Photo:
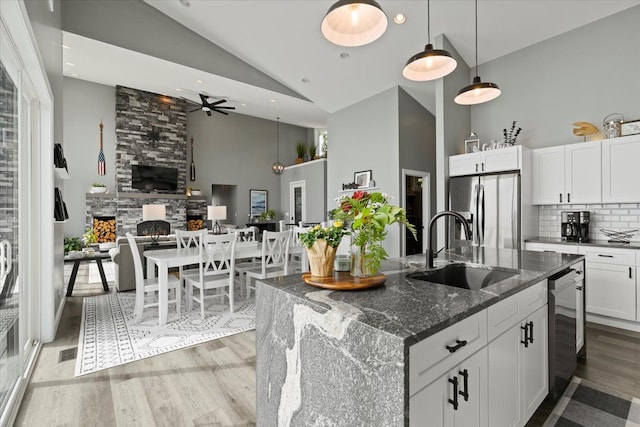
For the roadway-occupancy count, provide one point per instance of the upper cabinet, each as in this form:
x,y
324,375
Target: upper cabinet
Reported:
x,y
567,174
621,169
503,159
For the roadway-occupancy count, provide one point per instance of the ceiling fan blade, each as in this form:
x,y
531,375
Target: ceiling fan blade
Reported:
x,y
222,101
203,98
219,111
196,109
225,108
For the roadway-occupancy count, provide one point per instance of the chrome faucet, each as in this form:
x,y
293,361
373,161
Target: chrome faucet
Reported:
x,y
456,215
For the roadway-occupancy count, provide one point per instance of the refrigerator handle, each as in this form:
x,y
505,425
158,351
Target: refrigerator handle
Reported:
x,y
515,211
481,216
474,216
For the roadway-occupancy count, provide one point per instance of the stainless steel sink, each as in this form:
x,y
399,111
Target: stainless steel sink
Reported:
x,y
464,276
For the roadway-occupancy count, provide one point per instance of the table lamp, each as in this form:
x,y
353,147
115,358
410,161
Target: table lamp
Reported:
x,y
154,213
216,213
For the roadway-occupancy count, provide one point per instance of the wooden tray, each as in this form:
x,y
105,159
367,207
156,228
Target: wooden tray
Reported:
x,y
343,281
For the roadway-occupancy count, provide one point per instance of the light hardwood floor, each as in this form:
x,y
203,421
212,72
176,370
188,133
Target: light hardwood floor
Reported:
x,y
213,383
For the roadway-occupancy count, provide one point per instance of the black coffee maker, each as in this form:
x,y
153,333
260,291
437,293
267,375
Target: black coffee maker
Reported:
x,y
575,226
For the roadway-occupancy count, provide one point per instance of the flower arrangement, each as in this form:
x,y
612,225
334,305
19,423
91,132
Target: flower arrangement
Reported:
x,y
89,237
369,214
321,244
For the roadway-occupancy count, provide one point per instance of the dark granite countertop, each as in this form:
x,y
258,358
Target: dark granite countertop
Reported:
x,y
599,243
412,310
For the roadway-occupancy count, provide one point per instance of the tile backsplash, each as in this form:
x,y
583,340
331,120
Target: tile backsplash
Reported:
x,y
618,217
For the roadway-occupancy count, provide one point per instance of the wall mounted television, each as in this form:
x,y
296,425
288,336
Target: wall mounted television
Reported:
x,y
154,178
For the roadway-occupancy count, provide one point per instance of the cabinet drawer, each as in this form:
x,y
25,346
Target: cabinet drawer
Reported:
x,y
430,358
506,313
550,247
610,256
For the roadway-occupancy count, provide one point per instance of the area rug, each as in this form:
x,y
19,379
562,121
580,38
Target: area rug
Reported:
x,y
109,336
585,404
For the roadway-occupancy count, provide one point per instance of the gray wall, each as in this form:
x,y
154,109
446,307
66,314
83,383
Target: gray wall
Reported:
x,y
417,141
314,175
452,126
365,136
582,75
239,150
85,104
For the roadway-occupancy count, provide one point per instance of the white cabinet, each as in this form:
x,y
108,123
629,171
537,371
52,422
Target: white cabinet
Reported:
x,y
457,398
503,159
550,247
567,174
611,282
517,357
620,171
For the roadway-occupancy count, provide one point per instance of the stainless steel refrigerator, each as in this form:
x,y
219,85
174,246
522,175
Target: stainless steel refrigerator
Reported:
x,y
491,205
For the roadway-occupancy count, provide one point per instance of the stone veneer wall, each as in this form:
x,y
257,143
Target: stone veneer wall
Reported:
x,y
137,113
618,217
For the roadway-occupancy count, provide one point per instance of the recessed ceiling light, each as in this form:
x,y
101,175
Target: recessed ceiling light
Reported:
x,y
199,81
70,64
399,18
178,90
74,75
185,3
65,46
244,105
273,100
345,55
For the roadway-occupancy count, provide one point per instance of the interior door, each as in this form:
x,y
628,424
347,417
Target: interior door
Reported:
x,y
297,202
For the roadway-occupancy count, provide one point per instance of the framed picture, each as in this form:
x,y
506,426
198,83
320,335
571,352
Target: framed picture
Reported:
x,y
362,178
630,128
471,145
258,202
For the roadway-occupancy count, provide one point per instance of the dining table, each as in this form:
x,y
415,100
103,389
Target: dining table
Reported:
x,y
165,259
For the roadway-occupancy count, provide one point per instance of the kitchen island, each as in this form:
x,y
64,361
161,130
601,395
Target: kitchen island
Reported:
x,y
343,358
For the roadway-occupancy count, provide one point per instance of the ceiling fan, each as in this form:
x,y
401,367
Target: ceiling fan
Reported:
x,y
208,107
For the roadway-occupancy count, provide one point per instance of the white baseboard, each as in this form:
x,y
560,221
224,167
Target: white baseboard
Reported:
x,y
616,323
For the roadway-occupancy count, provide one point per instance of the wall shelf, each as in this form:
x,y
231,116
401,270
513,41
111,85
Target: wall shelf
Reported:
x,y
61,173
353,190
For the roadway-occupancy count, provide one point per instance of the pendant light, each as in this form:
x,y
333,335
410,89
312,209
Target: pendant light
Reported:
x,y
354,22
430,64
478,91
277,168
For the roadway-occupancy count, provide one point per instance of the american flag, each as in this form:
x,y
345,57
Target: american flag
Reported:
x,y
102,164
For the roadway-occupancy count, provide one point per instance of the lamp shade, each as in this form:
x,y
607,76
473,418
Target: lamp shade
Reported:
x,y
429,64
216,212
477,92
153,212
354,22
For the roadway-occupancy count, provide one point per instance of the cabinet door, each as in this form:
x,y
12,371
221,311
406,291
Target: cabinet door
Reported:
x,y
430,406
548,176
535,378
583,172
464,164
611,290
472,412
579,315
504,159
620,171
505,399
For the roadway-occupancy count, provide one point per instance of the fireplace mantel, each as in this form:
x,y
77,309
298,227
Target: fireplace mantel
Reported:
x,y
131,195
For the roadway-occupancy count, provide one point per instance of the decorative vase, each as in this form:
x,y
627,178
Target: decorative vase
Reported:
x,y
359,265
321,257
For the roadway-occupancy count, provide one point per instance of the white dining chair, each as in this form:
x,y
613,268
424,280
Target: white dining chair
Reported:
x,y
299,261
216,271
274,260
243,235
149,285
189,239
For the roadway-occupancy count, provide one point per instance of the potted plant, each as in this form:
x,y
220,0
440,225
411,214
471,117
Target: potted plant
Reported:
x,y
98,188
89,238
369,214
321,244
267,215
72,245
301,150
312,152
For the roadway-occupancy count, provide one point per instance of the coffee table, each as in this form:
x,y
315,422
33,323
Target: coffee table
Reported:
x,y
98,257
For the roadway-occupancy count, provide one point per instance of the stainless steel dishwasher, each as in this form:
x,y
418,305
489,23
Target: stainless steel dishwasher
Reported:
x,y
562,328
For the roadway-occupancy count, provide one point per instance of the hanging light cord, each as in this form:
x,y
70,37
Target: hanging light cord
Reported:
x,y
428,22
477,74
278,138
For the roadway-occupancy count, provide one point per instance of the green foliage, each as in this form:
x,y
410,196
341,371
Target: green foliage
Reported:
x,y
301,149
312,152
95,184
89,237
72,244
268,215
369,214
333,235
